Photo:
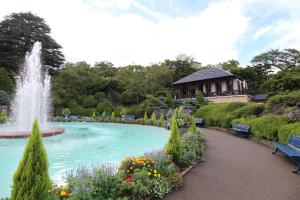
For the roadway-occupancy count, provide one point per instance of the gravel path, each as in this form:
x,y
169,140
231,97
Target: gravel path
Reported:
x,y
239,169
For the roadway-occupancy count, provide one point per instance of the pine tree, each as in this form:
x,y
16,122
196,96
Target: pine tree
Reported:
x,y
146,120
174,147
161,120
153,118
31,180
103,116
94,116
193,127
112,117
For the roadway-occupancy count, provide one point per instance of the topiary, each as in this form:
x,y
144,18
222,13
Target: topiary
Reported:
x,y
103,116
112,117
153,118
161,120
193,127
174,147
31,180
146,120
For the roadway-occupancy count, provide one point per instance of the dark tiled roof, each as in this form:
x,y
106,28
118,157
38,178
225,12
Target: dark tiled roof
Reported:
x,y
204,74
258,97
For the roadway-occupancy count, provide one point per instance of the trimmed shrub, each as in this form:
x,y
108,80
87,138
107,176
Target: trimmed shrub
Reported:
x,y
161,120
31,180
153,118
248,110
106,106
286,132
265,127
112,117
146,120
103,117
174,147
193,128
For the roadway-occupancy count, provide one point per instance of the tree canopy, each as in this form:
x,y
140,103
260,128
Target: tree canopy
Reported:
x,y
18,32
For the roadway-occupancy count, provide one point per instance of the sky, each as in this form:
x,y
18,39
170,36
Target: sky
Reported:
x,y
150,31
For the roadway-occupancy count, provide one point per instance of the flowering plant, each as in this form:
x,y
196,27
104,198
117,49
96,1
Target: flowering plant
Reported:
x,y
129,165
62,191
184,119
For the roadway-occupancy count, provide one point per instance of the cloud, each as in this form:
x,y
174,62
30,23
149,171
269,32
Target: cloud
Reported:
x,y
211,35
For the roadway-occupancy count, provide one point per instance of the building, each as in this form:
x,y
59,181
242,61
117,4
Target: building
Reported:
x,y
216,84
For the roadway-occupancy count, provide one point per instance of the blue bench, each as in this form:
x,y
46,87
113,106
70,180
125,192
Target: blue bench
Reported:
x,y
199,122
241,130
292,150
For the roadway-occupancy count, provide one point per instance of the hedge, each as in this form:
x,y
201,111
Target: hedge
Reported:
x,y
286,131
265,127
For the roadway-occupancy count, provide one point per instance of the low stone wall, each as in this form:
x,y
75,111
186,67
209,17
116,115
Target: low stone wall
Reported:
x,y
229,99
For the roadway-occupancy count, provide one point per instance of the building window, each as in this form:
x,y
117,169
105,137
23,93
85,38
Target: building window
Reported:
x,y
193,92
208,87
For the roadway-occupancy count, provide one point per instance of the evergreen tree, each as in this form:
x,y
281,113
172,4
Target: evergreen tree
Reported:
x,y
146,120
94,116
103,116
153,118
112,117
161,120
174,147
193,127
31,180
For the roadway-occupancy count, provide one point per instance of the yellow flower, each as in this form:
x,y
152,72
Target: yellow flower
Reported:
x,y
155,175
149,173
158,175
144,164
127,170
155,171
63,193
131,168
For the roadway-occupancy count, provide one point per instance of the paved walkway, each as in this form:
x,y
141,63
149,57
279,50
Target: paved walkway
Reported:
x,y
239,169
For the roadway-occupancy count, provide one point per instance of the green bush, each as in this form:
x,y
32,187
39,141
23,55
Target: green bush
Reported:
x,y
286,131
105,106
103,117
4,98
31,180
248,110
193,128
288,99
265,127
89,101
174,147
2,117
146,119
153,118
112,117
161,120
66,111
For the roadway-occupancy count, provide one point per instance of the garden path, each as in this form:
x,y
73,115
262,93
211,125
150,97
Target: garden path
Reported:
x,y
239,169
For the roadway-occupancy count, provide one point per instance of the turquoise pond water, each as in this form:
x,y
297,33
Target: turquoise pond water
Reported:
x,y
83,144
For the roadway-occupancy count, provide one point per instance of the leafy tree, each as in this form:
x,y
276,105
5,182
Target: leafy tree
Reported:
x,y
183,66
66,111
174,147
161,120
103,116
170,101
229,65
89,101
153,118
200,98
4,98
276,59
107,68
193,128
31,180
6,81
18,32
146,119
100,96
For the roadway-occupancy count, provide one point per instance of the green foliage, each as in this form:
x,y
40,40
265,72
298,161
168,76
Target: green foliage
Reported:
x,y
170,101
248,110
78,110
146,119
200,98
6,81
18,32
288,99
153,118
105,106
89,101
103,117
123,112
286,132
161,120
264,127
219,114
31,179
112,117
100,96
66,111
2,117
160,187
174,147
193,127
4,98
193,147
94,116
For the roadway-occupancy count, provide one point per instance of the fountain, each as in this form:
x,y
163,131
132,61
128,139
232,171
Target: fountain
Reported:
x,y
32,98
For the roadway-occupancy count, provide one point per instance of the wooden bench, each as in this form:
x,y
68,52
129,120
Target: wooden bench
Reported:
x,y
292,150
241,130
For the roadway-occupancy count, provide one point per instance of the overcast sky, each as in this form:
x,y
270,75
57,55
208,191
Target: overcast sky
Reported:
x,y
148,31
